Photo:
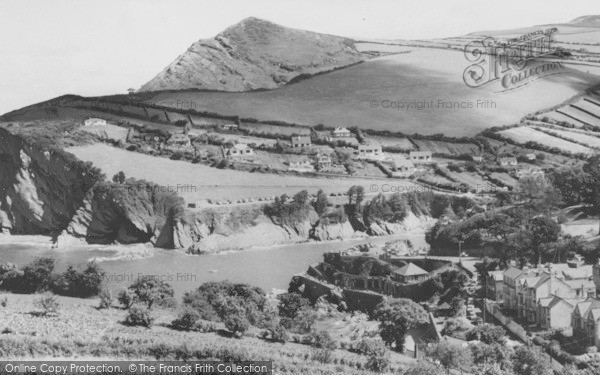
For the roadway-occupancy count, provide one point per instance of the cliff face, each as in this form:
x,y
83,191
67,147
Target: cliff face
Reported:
x,y
40,190
132,212
47,191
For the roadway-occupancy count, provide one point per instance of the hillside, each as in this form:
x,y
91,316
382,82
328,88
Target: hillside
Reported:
x,y
418,78
254,54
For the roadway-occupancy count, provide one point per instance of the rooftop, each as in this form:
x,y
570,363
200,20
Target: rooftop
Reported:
x,y
411,270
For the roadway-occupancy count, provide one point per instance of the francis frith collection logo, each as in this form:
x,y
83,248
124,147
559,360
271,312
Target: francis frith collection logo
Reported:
x,y
514,62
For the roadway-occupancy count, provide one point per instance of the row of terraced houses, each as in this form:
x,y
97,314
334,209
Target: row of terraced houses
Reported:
x,y
551,296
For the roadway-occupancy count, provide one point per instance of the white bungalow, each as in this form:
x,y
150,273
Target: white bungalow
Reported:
x,y
240,150
300,164
341,132
94,121
404,167
507,161
370,151
420,157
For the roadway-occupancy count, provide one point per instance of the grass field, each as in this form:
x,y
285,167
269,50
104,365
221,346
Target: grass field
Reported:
x,y
588,140
344,97
524,134
446,147
199,182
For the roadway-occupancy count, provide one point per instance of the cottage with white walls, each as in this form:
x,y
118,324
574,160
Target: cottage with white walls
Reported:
x,y
340,132
239,150
420,157
370,151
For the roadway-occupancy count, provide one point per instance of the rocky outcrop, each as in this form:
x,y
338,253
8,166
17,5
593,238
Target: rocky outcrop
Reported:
x,y
131,212
339,231
40,187
45,190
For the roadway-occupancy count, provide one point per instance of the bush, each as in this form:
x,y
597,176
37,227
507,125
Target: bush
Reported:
x,y
290,304
139,316
126,298
322,339
487,333
4,302
106,299
48,303
38,276
186,320
151,290
80,284
236,323
322,355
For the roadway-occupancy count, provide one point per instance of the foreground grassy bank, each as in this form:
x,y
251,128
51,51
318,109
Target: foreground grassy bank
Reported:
x,y
80,330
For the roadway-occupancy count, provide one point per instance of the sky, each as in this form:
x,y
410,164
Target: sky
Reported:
x,y
52,48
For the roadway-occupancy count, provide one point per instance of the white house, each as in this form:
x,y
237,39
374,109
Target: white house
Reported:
x,y
477,158
531,156
300,164
370,151
94,121
341,132
323,160
239,150
507,161
301,141
420,157
179,140
404,167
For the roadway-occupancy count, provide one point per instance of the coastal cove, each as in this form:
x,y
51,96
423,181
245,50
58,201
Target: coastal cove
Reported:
x,y
268,267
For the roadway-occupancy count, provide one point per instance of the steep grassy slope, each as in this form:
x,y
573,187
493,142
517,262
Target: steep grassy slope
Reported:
x,y
254,54
425,76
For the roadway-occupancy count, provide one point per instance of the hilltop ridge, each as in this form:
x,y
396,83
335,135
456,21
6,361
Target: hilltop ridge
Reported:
x,y
254,54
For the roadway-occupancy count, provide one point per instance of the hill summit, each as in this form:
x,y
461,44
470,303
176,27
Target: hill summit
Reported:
x,y
587,21
254,54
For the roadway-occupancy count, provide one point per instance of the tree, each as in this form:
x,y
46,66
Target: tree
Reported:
x,y
351,193
321,202
488,333
541,230
378,357
574,185
450,356
139,316
531,361
301,198
495,353
119,178
290,304
38,275
396,317
538,193
150,290
81,284
232,312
